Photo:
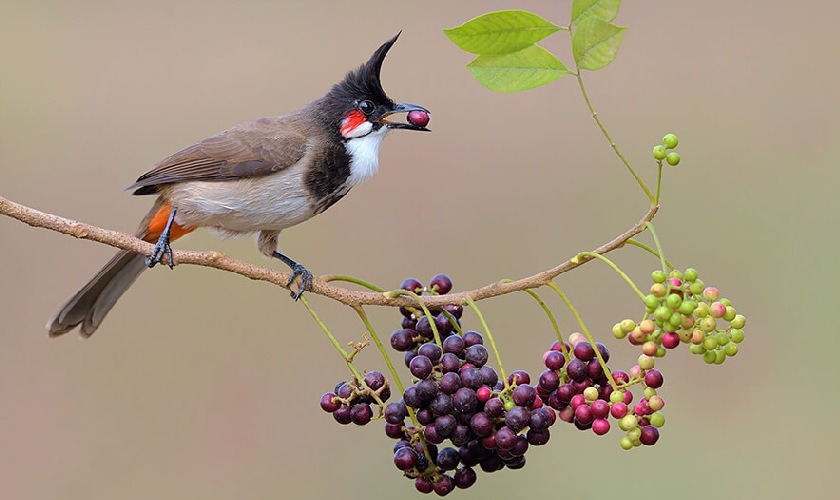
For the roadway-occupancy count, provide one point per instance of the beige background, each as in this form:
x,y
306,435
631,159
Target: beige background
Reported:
x,y
205,385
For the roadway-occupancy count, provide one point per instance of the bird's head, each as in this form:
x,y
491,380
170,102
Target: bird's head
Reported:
x,y
358,106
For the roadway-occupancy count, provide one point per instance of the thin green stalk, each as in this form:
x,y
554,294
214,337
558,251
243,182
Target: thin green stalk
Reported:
x,y
658,181
352,279
545,308
486,328
585,333
658,246
344,354
616,269
426,312
394,375
650,250
653,200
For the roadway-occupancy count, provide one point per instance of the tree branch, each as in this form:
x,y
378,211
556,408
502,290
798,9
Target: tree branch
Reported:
x,y
321,285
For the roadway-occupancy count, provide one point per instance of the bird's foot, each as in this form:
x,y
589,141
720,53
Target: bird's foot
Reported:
x,y
162,248
305,280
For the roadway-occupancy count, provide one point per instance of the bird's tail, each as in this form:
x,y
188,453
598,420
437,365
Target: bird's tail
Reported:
x,y
88,307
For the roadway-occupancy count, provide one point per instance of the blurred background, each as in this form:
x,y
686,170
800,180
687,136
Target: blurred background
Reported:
x,y
202,384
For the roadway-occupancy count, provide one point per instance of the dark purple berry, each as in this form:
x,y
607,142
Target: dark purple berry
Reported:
x,y
412,285
361,414
538,438
492,464
431,434
517,418
394,431
481,424
505,438
448,458
576,369
583,414
420,366
549,380
405,458
653,378
444,326
327,403
450,382
449,362
408,323
471,377
342,415
403,340
461,435
554,360
600,408
455,310
465,400
410,397
424,328
409,355
541,419
594,370
472,338
431,351
477,355
602,349
374,380
524,395
515,463
494,408
395,413
426,391
441,405
445,425
650,435
584,351
444,485
520,447
454,344
464,477
423,485
517,377
565,393
489,376
425,416
440,282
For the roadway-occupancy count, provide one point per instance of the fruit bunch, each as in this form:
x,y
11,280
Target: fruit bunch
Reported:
x,y
680,308
351,400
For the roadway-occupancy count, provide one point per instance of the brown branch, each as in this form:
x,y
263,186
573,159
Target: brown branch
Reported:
x,y
321,285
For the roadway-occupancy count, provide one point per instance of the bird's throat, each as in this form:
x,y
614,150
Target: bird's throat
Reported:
x,y
364,155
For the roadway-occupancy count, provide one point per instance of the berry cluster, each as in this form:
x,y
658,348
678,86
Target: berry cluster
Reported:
x,y
660,151
581,391
680,308
459,400
350,401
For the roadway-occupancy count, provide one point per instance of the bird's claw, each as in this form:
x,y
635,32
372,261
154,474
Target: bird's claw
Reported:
x,y
162,248
305,280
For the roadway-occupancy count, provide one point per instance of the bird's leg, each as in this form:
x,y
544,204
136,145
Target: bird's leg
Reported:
x,y
162,246
297,270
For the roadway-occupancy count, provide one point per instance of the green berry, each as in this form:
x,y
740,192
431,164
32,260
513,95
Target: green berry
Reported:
x,y
658,290
673,158
691,274
710,343
708,324
651,301
670,141
722,338
659,152
660,352
509,404
697,286
634,434
697,349
646,362
627,325
720,357
730,349
673,301
662,314
709,357
736,335
649,392
590,394
626,443
730,313
618,332
627,422
658,276
726,302
676,320
739,321
657,419
616,396
687,307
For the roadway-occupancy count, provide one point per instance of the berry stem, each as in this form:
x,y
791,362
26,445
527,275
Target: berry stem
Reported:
x,y
344,354
653,200
585,333
551,318
394,375
352,279
658,248
658,181
413,296
650,250
486,328
616,269
453,321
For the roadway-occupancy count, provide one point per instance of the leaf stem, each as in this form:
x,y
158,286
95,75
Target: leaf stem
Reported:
x,y
353,279
486,328
617,270
394,375
648,249
551,318
344,354
658,181
658,247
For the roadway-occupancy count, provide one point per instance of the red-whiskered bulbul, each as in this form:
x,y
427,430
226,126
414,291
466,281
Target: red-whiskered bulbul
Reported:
x,y
256,177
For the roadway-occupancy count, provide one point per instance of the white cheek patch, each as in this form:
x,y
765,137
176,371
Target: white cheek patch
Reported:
x,y
359,130
364,154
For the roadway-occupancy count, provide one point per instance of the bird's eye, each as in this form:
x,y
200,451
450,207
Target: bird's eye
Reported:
x,y
366,107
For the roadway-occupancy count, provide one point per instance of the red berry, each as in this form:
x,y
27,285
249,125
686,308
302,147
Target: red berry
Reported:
x,y
418,118
483,394
670,340
600,426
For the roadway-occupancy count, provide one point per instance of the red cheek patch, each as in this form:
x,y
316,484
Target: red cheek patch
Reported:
x,y
353,120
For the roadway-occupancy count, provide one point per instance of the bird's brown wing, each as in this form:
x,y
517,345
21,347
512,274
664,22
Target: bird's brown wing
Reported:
x,y
250,149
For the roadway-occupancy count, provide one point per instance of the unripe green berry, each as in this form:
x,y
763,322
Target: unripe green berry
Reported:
x,y
722,338
736,335
673,301
720,357
711,294
670,141
634,434
739,321
726,302
697,286
646,362
626,443
676,320
708,324
658,290
697,349
730,349
710,343
662,314
657,419
618,332
709,357
660,352
691,274
730,313
590,394
673,158
687,333
509,404
649,392
627,422
687,307
659,152
627,325
702,310
616,397
658,276
651,302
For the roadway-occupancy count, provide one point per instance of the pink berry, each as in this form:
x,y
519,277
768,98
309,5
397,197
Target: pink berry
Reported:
x,y
418,118
618,410
600,426
483,394
670,340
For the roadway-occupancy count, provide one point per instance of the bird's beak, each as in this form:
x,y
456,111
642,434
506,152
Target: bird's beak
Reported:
x,y
402,107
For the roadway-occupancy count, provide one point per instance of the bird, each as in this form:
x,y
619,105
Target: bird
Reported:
x,y
260,177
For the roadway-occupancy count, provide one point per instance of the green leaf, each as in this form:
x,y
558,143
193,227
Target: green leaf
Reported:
x,y
606,10
501,32
528,68
595,43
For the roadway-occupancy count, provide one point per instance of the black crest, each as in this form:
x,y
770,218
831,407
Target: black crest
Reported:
x,y
361,83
